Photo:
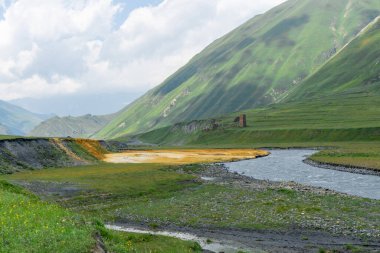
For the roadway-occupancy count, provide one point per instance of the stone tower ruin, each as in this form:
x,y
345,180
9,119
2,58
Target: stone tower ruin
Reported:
x,y
243,120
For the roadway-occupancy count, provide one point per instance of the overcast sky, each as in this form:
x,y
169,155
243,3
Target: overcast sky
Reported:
x,y
71,51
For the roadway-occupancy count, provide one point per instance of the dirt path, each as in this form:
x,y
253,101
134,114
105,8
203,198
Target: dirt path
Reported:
x,y
184,156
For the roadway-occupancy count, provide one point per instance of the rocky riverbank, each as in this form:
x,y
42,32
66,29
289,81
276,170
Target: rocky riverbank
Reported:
x,y
293,239
345,168
219,174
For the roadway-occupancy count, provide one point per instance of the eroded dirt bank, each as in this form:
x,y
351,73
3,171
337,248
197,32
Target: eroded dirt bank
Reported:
x,y
37,153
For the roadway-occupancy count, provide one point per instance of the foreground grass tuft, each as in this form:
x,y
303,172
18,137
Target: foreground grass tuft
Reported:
x,y
30,225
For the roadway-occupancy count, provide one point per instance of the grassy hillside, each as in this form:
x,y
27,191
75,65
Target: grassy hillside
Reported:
x,y
354,70
83,126
255,65
16,120
350,118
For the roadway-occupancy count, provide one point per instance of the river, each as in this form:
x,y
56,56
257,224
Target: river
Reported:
x,y
288,165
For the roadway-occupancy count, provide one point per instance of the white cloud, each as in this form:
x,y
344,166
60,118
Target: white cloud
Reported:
x,y
71,46
11,68
39,87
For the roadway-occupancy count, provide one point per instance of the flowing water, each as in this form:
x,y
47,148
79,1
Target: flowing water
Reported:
x,y
288,165
214,246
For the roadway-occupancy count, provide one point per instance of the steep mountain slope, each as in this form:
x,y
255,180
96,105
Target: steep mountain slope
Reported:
x,y
16,120
255,65
340,102
354,70
83,126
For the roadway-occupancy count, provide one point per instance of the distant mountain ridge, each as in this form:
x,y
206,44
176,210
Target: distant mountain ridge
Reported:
x,y
15,120
255,65
83,126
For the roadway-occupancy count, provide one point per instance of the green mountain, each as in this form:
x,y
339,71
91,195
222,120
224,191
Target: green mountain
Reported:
x,y
83,126
340,102
255,65
354,70
16,120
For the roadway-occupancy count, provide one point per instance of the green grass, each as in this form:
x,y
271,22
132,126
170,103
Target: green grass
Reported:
x,y
354,69
365,155
30,225
109,186
157,194
225,207
128,179
9,137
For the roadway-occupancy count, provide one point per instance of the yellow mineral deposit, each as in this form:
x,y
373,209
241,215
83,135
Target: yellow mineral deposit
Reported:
x,y
184,156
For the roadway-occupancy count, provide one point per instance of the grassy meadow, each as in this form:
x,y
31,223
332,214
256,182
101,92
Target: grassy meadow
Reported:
x,y
28,224
8,137
278,209
365,155
157,194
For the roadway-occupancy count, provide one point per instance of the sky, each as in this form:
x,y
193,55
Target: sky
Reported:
x,y
73,57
